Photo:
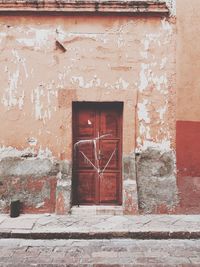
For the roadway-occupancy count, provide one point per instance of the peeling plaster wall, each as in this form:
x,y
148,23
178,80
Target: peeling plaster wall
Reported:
x,y
156,122
49,61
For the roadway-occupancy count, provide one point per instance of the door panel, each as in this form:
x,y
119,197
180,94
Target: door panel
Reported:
x,y
109,158
86,187
109,123
84,152
97,142
86,123
109,188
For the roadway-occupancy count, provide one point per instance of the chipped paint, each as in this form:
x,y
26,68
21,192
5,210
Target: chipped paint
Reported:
x,y
39,205
20,60
163,63
95,82
162,111
7,152
2,38
42,97
39,40
36,99
42,36
32,141
11,97
144,131
166,26
121,84
143,78
163,146
148,76
26,42
143,112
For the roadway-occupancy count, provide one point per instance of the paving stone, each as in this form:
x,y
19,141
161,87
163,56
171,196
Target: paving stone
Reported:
x,y
18,223
151,252
2,218
45,220
9,243
6,252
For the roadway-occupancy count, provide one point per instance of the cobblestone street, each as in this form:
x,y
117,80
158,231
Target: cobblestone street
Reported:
x,y
115,252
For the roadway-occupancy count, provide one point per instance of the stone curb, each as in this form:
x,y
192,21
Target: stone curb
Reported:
x,y
102,235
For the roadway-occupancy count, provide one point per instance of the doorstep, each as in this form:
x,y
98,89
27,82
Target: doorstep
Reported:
x,y
96,210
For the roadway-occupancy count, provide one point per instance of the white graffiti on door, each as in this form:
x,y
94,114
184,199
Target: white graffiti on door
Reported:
x,y
97,154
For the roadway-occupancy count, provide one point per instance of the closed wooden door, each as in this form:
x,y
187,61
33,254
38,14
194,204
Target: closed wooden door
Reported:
x,y
97,153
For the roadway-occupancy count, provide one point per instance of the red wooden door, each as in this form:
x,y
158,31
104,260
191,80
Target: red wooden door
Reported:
x,y
97,142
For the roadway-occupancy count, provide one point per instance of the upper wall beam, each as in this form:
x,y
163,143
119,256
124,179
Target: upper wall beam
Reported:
x,y
91,6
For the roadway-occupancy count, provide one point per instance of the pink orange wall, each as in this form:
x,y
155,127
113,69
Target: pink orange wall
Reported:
x,y
188,108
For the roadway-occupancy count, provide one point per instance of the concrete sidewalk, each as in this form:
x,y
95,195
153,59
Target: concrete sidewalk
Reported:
x,y
51,226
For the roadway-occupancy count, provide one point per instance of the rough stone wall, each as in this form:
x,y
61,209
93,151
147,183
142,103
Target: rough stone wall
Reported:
x,y
157,190
49,61
35,179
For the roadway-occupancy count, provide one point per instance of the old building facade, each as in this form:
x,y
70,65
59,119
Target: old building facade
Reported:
x,y
92,104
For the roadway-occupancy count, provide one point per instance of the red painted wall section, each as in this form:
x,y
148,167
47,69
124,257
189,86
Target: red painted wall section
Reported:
x,y
188,165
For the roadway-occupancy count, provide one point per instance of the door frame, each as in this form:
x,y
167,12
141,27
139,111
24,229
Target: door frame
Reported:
x,y
119,106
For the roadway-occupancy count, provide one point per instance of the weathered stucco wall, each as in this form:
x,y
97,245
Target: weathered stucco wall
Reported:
x,y
49,61
188,99
156,175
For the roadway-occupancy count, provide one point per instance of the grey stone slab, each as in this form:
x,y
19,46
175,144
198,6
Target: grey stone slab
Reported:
x,y
2,218
18,223
46,221
34,216
8,242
